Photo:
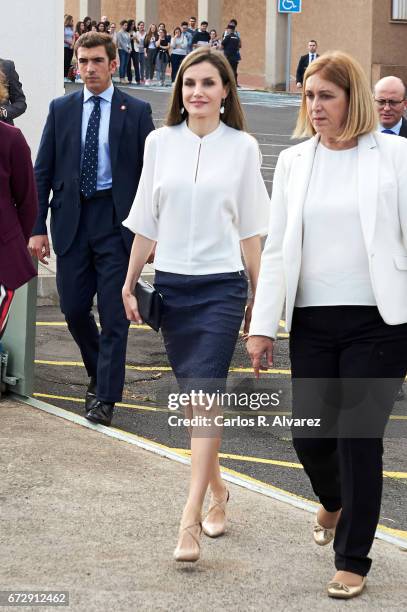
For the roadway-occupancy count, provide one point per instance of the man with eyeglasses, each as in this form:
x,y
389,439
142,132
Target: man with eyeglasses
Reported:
x,y
390,98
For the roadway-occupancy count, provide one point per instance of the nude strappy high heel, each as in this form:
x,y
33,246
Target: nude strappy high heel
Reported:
x,y
214,524
192,533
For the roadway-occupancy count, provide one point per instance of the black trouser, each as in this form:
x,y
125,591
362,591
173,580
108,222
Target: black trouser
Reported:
x,y
97,264
233,62
176,61
68,54
346,342
133,58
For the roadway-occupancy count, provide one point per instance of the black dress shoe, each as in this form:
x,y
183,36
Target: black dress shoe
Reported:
x,y
101,412
90,397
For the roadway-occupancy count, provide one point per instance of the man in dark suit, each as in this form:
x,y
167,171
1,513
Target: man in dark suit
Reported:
x,y
390,98
305,61
16,104
91,156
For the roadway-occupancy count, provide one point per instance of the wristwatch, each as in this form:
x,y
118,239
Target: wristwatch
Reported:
x,y
3,112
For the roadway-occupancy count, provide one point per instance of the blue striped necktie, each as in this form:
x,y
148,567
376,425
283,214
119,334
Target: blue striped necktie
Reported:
x,y
89,171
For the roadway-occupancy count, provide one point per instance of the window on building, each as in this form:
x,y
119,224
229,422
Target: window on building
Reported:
x,y
399,10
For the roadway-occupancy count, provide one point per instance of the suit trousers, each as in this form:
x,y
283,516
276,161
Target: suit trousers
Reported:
x,y
347,342
96,264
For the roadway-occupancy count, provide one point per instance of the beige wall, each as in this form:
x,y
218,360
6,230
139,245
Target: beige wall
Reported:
x,y
172,12
389,52
116,10
251,17
344,25
72,8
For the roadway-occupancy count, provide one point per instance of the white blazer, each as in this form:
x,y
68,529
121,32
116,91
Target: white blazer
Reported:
x,y
382,198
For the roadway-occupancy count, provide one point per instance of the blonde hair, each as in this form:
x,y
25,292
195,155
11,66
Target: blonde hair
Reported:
x,y
3,88
233,115
345,72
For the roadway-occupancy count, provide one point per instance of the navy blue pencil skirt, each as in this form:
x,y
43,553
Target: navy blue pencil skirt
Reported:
x,y
202,315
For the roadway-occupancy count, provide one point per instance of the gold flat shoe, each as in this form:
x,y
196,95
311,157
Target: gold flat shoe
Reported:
x,y
339,590
189,554
215,527
322,535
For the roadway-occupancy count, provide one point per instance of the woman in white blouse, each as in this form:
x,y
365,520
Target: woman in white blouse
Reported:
x,y
336,253
200,207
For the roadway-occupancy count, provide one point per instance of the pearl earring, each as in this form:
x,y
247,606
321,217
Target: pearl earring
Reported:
x,y
222,108
182,110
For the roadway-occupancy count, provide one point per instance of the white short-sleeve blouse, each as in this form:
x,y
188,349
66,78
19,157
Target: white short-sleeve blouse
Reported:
x,y
198,197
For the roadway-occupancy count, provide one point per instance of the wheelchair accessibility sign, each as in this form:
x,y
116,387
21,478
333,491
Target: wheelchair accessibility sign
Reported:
x,y
289,6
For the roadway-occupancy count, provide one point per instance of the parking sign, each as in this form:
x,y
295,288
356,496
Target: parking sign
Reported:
x,y
289,6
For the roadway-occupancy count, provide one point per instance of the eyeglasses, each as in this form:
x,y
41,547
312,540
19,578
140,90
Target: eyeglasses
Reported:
x,y
392,103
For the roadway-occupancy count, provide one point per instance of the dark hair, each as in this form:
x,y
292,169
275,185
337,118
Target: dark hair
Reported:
x,y
89,40
233,115
183,23
141,22
94,22
204,23
78,27
123,21
131,24
192,18
177,28
88,21
213,30
102,23
312,40
233,21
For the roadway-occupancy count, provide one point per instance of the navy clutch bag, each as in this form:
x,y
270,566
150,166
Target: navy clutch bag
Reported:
x,y
150,304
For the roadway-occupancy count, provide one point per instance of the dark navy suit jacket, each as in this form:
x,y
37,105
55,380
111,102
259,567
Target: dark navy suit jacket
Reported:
x,y
18,207
57,167
403,129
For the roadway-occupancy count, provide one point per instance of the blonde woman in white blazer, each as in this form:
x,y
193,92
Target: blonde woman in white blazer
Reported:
x,y
336,255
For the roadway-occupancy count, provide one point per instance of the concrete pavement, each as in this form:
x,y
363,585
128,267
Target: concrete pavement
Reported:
x,y
98,517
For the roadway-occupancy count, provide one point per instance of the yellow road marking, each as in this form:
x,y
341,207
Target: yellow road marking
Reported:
x,y
63,324
396,475
282,335
250,459
82,401
80,364
289,464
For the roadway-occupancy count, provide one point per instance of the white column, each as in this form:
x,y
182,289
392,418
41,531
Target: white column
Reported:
x,y
276,43
147,11
42,76
90,8
42,72
211,11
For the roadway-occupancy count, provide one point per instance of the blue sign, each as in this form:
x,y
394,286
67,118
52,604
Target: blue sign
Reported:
x,y
289,6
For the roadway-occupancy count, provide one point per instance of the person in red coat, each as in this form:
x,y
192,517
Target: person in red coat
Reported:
x,y
18,211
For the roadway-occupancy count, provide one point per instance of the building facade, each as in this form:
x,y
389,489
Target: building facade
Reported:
x,y
365,28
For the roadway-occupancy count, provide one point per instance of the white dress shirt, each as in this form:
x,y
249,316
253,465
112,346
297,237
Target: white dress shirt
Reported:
x,y
198,197
104,176
396,128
